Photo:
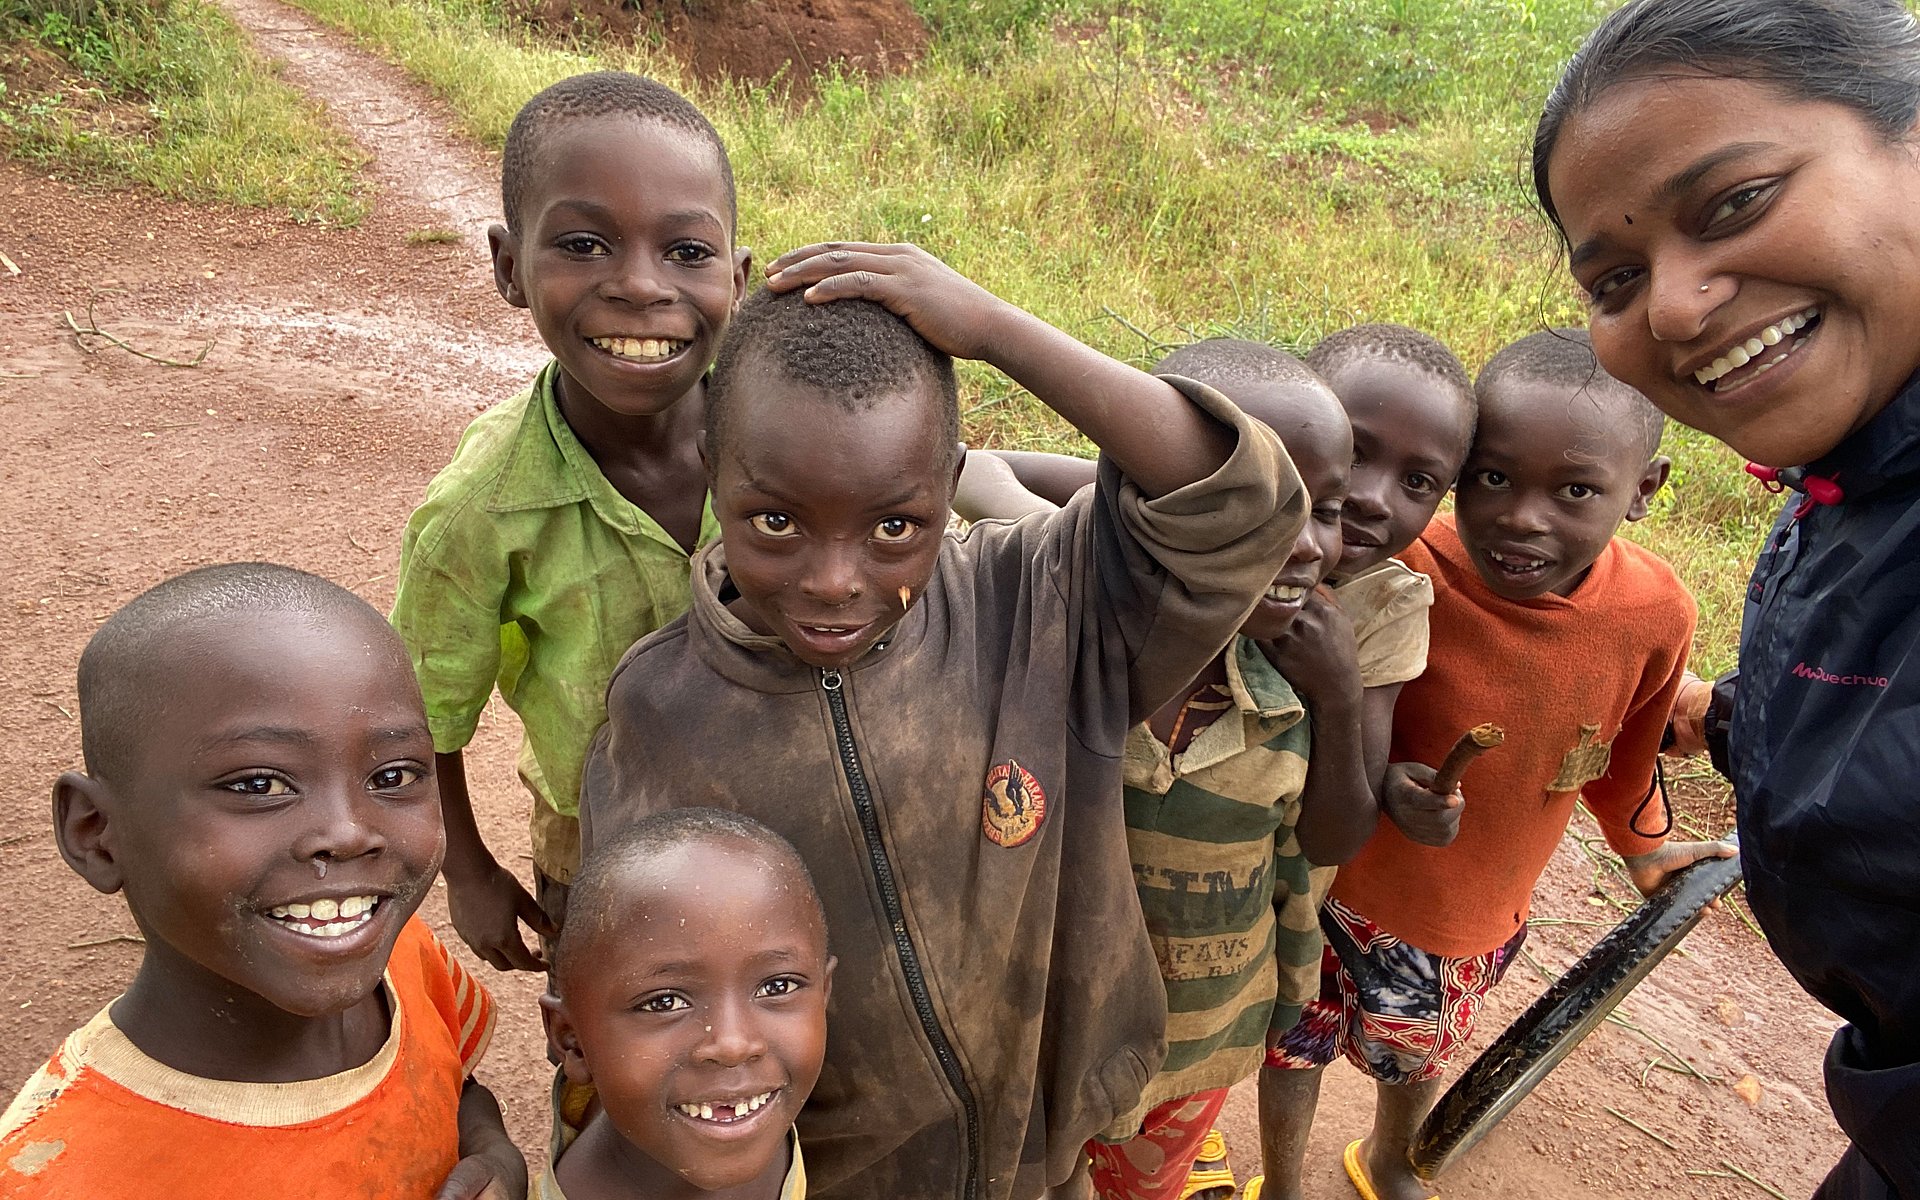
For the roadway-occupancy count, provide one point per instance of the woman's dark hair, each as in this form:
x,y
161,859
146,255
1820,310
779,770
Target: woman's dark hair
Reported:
x,y
1864,54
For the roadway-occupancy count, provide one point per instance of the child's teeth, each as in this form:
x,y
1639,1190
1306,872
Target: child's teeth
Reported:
x,y
325,910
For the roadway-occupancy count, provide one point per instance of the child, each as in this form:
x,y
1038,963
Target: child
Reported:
x,y
1411,406
1241,793
1571,639
1761,289
259,782
562,530
692,980
937,723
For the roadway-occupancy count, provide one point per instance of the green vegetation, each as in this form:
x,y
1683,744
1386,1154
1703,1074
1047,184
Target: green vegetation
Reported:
x,y
168,94
1266,168
1143,175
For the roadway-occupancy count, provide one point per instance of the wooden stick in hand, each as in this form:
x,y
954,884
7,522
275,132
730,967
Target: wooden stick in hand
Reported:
x,y
1472,744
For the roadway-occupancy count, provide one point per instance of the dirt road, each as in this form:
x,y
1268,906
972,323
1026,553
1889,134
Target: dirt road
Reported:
x,y
343,366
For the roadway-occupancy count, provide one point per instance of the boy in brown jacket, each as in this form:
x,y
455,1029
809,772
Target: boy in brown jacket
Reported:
x,y
937,723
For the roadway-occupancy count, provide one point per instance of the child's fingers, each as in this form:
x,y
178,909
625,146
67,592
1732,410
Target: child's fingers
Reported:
x,y
844,266
829,249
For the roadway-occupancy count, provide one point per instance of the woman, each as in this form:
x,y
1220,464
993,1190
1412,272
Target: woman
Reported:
x,y
1738,185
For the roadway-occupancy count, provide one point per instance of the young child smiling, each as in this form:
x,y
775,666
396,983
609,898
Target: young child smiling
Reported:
x,y
938,723
259,783
563,528
692,980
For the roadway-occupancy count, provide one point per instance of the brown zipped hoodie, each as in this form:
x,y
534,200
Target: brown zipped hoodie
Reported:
x,y
957,796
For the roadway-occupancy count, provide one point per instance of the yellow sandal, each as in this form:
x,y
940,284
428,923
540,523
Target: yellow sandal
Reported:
x,y
1211,1177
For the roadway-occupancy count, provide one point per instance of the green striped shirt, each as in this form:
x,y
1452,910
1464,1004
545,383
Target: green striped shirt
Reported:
x,y
1230,901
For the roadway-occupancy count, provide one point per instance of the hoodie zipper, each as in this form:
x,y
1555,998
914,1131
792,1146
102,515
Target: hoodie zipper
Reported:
x,y
830,683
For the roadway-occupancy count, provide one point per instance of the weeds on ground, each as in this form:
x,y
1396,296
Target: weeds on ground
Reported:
x,y
166,93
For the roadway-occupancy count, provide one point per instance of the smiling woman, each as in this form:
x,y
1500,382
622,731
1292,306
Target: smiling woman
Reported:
x,y
1739,190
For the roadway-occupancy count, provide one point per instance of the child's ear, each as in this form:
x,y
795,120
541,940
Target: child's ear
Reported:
x,y
80,829
504,245
1651,481
563,1041
742,272
959,465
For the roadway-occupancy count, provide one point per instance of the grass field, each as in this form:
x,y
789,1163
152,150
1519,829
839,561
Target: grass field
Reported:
x,y
1141,175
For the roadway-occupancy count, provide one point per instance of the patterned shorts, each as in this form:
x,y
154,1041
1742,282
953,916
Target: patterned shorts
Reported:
x,y
1155,1163
1397,1012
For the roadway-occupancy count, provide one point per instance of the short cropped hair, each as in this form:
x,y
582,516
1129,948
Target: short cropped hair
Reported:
x,y
1225,363
1565,358
855,353
1395,343
592,95
117,683
591,896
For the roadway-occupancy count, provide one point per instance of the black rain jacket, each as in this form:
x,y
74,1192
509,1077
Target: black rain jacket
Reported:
x,y
1825,760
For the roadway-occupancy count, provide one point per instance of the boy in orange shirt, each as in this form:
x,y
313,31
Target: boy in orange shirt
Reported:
x,y
1571,639
259,782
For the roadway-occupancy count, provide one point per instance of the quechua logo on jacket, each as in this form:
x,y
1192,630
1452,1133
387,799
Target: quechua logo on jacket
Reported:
x,y
1013,806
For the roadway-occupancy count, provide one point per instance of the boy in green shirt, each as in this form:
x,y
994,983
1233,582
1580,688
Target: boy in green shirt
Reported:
x,y
564,528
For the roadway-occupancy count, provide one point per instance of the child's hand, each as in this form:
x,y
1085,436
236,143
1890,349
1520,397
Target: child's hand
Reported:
x,y
1426,818
490,1166
1317,653
1648,871
952,312
1689,720
487,908
479,1177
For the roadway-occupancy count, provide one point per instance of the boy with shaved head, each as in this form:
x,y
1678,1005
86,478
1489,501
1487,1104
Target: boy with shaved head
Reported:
x,y
691,984
259,783
565,525
938,722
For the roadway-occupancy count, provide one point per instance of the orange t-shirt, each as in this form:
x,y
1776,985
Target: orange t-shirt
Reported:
x,y
1582,684
104,1121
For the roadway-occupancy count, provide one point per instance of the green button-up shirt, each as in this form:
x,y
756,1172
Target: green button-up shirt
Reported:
x,y
524,568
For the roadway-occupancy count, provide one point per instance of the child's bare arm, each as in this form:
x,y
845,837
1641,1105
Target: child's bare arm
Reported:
x,y
989,488
1376,732
490,1167
484,899
1316,654
1157,437
1052,477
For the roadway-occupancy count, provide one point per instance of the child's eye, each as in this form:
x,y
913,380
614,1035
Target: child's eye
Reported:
x,y
582,244
389,779
1488,479
689,252
773,524
1420,485
895,529
259,785
783,985
665,1002
1579,491
1327,514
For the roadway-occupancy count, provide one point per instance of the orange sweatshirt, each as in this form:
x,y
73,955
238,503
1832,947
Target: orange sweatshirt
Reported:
x,y
1582,684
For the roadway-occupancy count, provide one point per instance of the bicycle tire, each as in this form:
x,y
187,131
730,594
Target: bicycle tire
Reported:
x,y
1527,1050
